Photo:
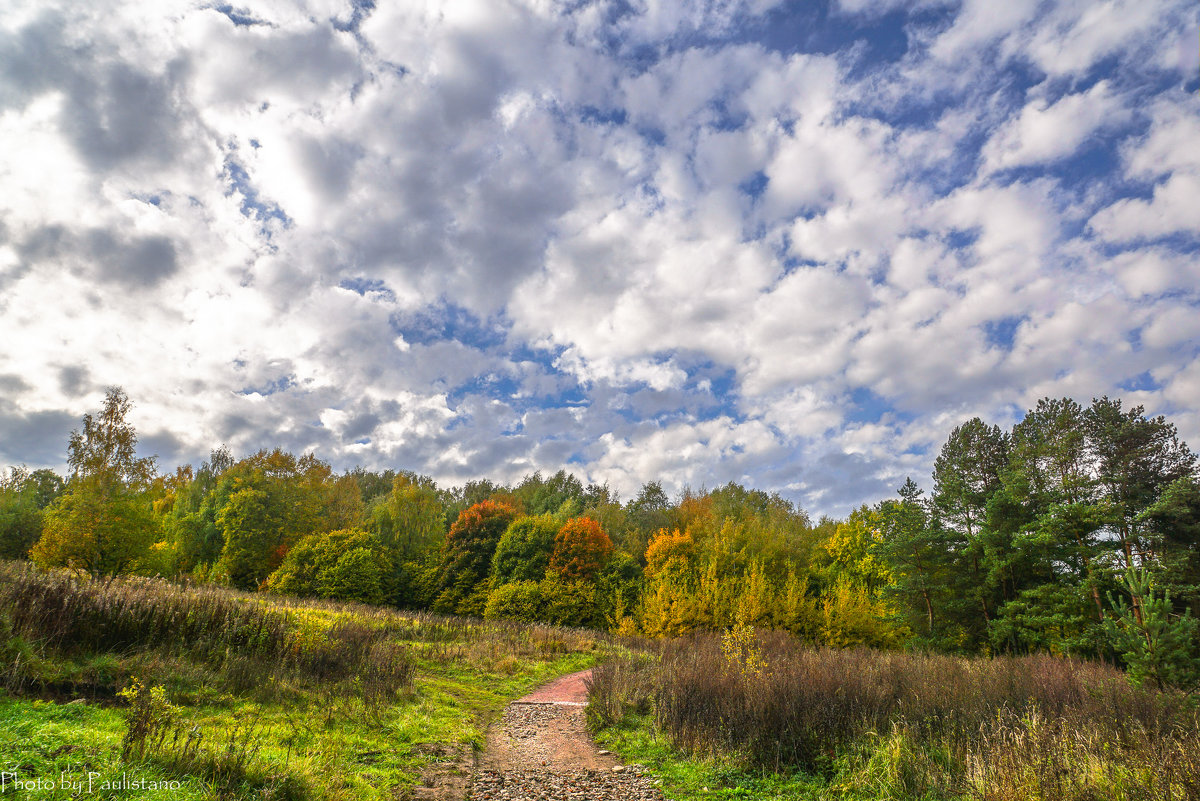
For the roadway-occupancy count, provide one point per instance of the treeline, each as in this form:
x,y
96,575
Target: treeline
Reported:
x,y
1077,532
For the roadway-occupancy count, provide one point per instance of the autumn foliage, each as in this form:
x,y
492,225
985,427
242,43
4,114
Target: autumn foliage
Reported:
x,y
581,549
467,557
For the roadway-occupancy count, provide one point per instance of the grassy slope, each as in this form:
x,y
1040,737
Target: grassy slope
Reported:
x,y
307,739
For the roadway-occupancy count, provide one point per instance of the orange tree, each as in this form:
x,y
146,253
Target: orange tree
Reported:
x,y
462,582
581,549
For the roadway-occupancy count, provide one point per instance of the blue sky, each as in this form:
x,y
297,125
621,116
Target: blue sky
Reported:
x,y
786,244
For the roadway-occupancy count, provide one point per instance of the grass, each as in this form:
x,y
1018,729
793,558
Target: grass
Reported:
x,y
763,714
261,697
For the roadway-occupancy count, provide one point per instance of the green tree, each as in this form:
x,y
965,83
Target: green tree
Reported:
x,y
1172,541
1136,459
1156,644
410,523
253,538
523,553
21,515
646,515
539,495
914,548
191,521
103,523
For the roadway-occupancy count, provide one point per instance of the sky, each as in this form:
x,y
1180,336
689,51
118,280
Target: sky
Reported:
x,y
787,244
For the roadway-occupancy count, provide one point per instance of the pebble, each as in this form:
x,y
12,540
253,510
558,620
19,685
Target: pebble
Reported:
x,y
530,771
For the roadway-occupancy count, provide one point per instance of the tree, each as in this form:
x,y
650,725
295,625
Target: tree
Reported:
x,y
1172,526
914,548
103,523
470,547
411,524
253,539
191,522
1136,458
1156,644
581,549
410,519
547,496
21,515
646,514
523,553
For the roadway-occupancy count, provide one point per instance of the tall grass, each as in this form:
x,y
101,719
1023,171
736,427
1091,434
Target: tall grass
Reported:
x,y
908,725
247,638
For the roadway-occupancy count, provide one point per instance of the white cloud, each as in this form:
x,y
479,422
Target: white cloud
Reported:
x,y
485,238
1044,132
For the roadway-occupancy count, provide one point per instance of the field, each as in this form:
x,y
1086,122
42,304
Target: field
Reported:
x,y
752,715
203,693
260,697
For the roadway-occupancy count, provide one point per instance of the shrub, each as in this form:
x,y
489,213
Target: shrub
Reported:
x,y
520,600
356,576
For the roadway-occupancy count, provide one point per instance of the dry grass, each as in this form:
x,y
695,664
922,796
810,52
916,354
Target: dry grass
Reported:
x,y
908,725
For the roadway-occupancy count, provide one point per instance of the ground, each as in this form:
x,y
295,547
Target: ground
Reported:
x,y
540,749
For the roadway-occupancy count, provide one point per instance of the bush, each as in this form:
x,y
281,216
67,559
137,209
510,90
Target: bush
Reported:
x,y
521,600
356,576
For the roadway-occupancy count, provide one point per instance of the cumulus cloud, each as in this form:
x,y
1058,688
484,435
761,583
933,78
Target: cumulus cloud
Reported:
x,y
1047,131
694,243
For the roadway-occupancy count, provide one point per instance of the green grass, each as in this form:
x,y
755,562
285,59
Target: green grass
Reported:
x,y
304,735
64,744
689,778
331,746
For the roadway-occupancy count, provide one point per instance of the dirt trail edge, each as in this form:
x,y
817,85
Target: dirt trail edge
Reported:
x,y
540,749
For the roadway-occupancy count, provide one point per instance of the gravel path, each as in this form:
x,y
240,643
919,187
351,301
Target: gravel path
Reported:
x,y
540,750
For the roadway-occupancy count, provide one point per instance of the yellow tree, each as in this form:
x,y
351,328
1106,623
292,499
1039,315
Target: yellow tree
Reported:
x,y
103,523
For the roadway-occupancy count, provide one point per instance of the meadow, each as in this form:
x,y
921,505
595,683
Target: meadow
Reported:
x,y
760,715
212,693
200,692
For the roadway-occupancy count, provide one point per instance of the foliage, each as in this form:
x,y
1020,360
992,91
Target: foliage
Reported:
x,y
103,523
358,575
254,538
1157,645
518,600
581,549
148,720
23,497
347,565
467,556
97,527
523,553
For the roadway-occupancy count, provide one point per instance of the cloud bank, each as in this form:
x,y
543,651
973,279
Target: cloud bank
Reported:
x,y
790,245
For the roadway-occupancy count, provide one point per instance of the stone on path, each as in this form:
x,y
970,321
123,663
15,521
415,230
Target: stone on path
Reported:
x,y
540,749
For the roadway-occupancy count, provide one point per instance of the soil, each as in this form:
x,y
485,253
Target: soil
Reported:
x,y
540,749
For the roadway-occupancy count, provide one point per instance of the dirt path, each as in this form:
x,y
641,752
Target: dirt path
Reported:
x,y
540,749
